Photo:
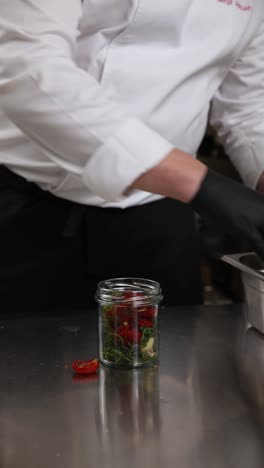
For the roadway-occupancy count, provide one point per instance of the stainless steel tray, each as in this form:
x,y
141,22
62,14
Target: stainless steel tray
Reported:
x,y
247,262
252,269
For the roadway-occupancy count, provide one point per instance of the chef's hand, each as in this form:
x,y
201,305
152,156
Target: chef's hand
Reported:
x,y
234,207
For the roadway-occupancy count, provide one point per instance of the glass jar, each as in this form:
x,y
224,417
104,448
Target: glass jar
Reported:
x,y
128,322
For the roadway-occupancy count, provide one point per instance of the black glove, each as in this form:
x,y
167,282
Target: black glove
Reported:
x,y
234,207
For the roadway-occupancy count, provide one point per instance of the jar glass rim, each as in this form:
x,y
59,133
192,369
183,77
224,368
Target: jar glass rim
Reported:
x,y
115,290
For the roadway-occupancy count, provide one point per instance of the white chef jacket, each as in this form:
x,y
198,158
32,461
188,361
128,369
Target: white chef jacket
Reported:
x,y
94,93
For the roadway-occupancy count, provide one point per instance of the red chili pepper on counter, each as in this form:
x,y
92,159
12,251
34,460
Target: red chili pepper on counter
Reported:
x,y
85,367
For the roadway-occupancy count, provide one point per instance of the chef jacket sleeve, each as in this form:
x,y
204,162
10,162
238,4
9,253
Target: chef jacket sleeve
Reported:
x,y
238,111
64,109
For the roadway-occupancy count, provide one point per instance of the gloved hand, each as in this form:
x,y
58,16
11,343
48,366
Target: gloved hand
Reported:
x,y
234,207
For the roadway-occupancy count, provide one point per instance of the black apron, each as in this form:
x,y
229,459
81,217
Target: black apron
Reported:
x,y
53,252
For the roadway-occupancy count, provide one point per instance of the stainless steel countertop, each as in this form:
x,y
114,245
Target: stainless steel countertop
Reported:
x,y
202,408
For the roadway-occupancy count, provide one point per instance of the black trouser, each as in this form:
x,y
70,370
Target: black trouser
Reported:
x,y
54,252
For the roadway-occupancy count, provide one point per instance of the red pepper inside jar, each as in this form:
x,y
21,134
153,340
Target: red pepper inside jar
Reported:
x,y
128,322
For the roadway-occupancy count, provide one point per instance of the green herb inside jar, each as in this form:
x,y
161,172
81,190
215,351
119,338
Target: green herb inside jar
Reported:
x,y
129,332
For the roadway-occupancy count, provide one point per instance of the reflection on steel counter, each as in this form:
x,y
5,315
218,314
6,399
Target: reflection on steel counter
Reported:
x,y
129,409
194,411
250,362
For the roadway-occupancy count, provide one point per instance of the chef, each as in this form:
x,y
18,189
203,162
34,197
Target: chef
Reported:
x,y
103,105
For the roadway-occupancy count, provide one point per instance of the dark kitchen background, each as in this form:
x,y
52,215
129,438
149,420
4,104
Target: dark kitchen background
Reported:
x,y
222,284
